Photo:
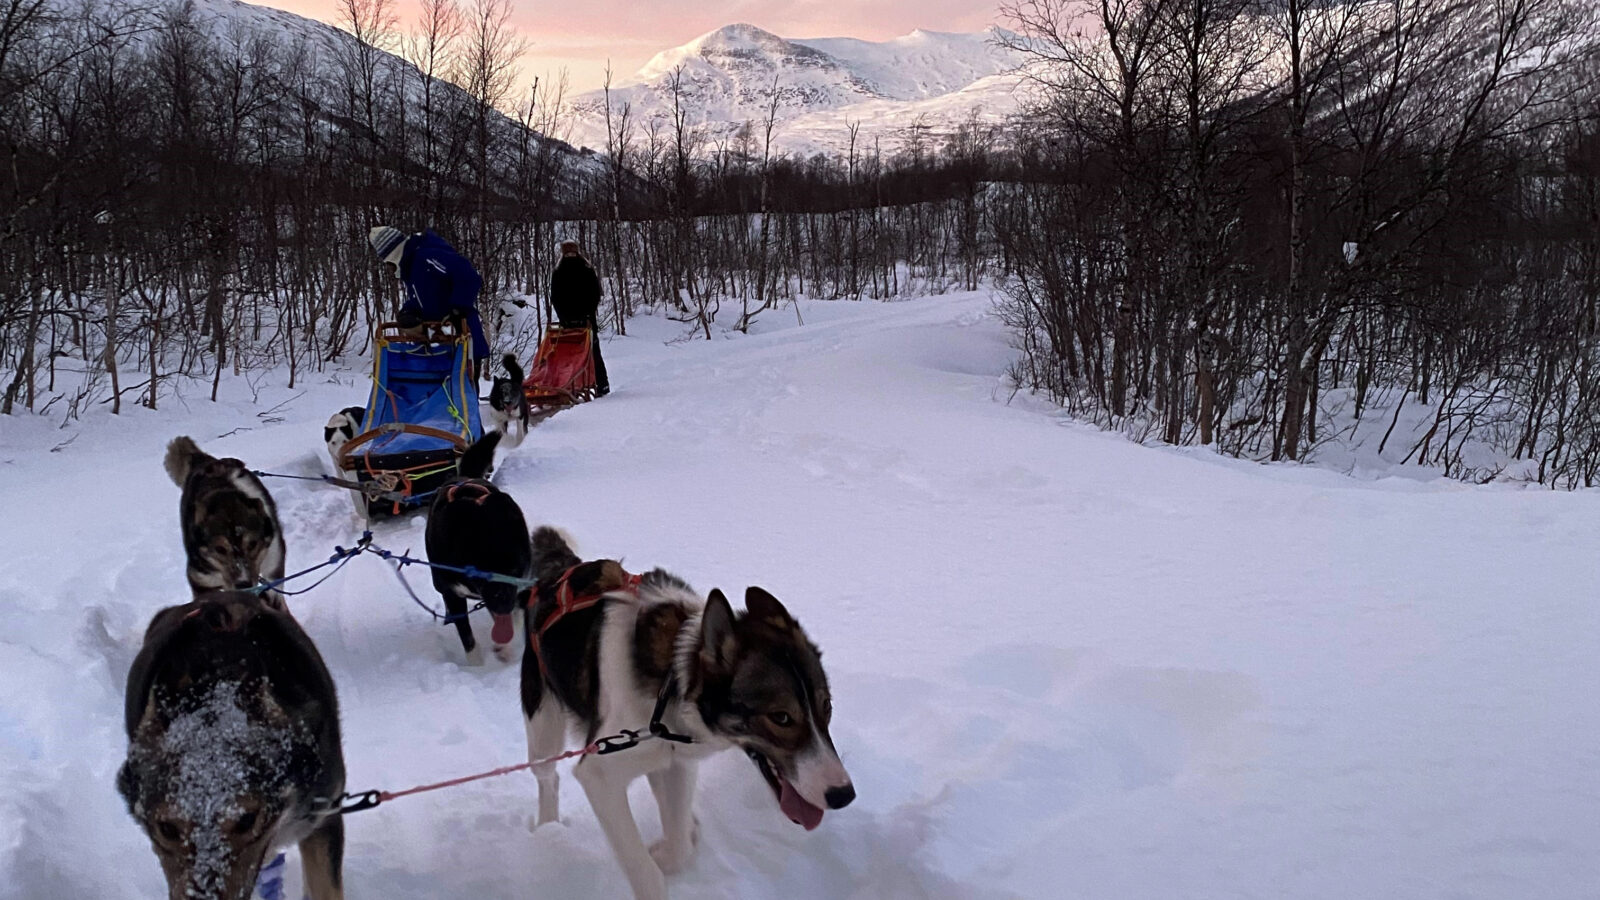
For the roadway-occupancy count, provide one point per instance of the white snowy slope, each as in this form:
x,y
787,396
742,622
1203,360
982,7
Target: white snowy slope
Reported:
x,y
1063,665
728,76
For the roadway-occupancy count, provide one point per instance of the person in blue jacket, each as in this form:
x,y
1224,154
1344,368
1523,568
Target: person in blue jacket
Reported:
x,y
439,281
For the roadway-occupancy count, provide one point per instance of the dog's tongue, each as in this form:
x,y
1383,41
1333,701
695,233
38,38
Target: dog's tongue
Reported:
x,y
797,808
503,630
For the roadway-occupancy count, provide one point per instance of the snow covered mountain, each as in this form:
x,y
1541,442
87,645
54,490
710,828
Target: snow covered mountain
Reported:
x,y
729,77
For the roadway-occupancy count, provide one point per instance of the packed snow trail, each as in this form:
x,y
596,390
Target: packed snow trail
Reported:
x,y
1063,665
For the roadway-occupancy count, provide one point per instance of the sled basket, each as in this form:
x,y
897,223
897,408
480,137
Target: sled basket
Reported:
x,y
562,373
422,413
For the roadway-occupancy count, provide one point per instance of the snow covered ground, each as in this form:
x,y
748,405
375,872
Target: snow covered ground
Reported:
x,y
1064,665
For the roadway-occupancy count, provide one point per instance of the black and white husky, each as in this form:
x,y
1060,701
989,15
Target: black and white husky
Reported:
x,y
750,680
508,405
342,427
471,522
233,748
230,524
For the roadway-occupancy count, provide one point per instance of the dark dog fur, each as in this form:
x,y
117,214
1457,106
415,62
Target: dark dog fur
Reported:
x,y
508,403
233,733
751,680
473,523
231,532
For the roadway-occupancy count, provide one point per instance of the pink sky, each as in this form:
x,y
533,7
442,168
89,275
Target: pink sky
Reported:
x,y
582,35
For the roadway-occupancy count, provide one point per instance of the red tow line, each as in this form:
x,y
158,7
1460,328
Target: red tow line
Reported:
x,y
383,796
610,744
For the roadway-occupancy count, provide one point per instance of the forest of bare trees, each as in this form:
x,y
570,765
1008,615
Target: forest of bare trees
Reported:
x,y
1249,211
1217,217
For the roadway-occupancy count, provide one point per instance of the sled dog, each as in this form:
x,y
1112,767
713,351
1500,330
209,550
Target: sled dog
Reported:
x,y
230,524
233,748
751,680
473,523
508,405
342,427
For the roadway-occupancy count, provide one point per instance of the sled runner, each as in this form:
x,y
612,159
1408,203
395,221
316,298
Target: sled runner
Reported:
x,y
562,373
422,413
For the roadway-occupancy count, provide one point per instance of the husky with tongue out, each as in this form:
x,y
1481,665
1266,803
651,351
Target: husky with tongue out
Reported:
x,y
611,652
473,523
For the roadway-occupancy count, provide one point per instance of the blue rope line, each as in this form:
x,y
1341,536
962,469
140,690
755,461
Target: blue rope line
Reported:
x,y
319,581
340,557
468,571
444,619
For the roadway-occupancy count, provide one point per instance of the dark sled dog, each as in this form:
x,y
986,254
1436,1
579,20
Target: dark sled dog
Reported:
x,y
751,680
230,524
508,404
473,523
233,748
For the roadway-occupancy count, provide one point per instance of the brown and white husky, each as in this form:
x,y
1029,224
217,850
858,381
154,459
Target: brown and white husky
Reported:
x,y
751,680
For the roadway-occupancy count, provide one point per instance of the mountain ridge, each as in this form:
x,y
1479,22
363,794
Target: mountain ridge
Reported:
x,y
925,80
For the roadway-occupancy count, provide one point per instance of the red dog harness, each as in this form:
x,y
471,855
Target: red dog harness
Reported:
x,y
567,601
472,489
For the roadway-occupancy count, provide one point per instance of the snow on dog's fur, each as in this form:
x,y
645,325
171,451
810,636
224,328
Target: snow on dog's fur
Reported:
x,y
751,680
230,525
233,748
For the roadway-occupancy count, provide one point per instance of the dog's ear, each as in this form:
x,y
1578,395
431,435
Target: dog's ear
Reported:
x,y
128,786
718,643
765,608
183,454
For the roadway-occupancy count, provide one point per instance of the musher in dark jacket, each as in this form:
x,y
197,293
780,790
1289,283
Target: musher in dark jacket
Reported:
x,y
439,281
575,295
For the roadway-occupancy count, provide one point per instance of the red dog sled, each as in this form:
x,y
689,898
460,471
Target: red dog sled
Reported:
x,y
563,371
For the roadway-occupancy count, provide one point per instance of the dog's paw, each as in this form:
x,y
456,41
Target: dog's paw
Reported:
x,y
474,657
505,652
649,885
535,823
671,857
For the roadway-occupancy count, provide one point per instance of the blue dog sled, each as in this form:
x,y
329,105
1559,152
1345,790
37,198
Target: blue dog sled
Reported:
x,y
422,413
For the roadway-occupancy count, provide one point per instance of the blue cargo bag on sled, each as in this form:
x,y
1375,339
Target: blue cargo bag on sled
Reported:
x,y
422,414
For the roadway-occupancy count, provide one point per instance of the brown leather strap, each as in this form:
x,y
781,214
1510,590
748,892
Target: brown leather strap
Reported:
x,y
456,440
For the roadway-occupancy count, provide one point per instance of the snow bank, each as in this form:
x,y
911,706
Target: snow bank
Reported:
x,y
1063,664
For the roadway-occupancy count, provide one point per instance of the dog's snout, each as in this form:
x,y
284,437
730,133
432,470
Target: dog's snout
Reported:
x,y
840,797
